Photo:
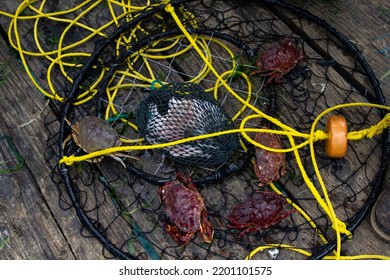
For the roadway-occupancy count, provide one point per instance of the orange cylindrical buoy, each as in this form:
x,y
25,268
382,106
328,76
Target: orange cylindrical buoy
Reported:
x,y
336,144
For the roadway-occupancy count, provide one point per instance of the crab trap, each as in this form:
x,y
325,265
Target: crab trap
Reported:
x,y
200,129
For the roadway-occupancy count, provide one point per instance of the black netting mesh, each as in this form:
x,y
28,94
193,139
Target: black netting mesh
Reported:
x,y
179,111
159,75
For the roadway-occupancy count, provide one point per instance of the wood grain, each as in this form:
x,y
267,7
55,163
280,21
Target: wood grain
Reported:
x,y
33,224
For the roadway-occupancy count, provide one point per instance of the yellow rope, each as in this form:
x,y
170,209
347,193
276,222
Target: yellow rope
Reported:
x,y
58,56
308,254
302,212
373,130
63,55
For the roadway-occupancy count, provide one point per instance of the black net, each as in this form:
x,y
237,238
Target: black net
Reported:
x,y
179,111
217,73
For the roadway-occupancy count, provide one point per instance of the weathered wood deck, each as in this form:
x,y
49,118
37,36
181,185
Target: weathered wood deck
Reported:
x,y
33,226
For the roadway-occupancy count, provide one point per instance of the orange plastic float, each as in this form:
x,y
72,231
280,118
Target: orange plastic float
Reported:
x,y
336,144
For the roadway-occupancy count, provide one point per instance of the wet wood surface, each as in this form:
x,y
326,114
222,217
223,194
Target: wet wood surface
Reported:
x,y
32,223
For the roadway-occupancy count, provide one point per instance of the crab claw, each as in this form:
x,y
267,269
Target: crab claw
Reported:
x,y
206,229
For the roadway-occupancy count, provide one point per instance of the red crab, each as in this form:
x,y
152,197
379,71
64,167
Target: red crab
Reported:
x,y
186,210
262,210
269,166
279,60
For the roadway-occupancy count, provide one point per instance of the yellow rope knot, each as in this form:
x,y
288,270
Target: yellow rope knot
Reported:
x,y
67,160
320,135
169,8
342,228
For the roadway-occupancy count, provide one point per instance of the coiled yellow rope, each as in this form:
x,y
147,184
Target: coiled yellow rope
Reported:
x,y
63,56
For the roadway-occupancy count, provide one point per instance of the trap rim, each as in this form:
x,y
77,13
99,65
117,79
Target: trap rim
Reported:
x,y
325,249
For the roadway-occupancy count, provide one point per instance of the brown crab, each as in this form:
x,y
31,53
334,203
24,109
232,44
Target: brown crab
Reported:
x,y
269,166
186,210
93,134
260,211
278,60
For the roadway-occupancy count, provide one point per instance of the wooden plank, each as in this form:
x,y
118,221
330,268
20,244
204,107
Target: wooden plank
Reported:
x,y
364,23
42,229
28,230
71,224
119,231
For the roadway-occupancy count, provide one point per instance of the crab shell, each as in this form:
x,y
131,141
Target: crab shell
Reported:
x,y
186,210
260,211
92,134
269,166
279,60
